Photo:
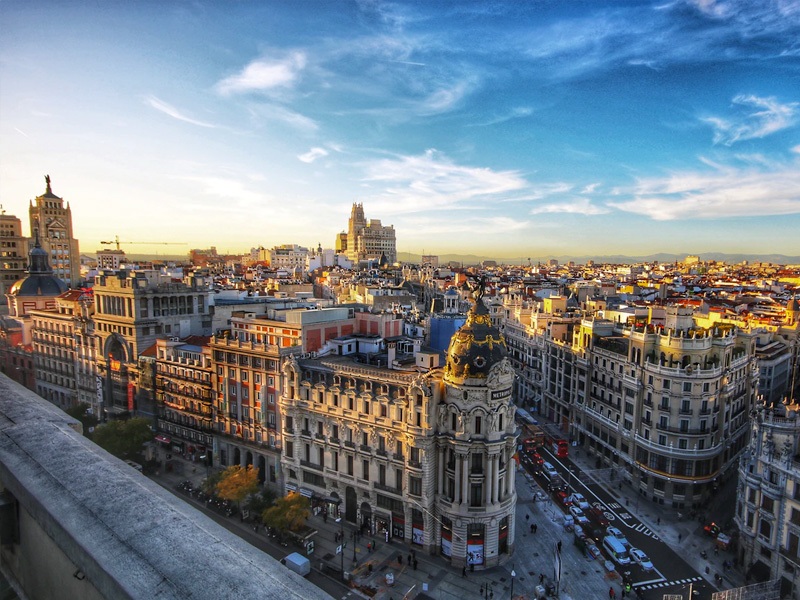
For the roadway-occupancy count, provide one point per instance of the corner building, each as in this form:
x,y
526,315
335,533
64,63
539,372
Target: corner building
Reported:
x,y
425,456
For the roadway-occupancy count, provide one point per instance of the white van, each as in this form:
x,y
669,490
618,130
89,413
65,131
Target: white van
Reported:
x,y
297,563
549,471
616,551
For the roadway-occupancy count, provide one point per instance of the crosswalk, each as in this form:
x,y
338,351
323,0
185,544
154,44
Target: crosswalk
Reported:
x,y
663,584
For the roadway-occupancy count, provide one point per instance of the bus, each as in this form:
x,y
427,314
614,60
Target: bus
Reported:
x,y
532,437
559,447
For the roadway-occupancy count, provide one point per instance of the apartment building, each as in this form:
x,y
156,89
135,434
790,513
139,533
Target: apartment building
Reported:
x,y
13,251
422,455
64,351
184,391
655,398
768,498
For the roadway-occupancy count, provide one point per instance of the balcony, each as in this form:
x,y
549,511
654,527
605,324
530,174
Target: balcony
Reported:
x,y
349,444
415,464
310,465
386,488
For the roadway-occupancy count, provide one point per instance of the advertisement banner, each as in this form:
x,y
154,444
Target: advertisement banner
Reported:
x,y
130,396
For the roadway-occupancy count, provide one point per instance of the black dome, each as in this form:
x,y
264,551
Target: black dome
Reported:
x,y
476,347
40,280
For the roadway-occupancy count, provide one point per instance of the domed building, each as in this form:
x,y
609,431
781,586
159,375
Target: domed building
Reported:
x,y
37,291
475,446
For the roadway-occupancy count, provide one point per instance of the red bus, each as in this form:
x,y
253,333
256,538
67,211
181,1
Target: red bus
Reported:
x,y
559,447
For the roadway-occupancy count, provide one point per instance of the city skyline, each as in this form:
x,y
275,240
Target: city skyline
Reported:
x,y
499,129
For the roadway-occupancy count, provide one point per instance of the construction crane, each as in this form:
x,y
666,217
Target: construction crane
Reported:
x,y
117,243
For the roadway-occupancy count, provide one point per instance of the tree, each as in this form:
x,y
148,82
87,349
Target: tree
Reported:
x,y
123,439
258,503
289,512
236,483
81,413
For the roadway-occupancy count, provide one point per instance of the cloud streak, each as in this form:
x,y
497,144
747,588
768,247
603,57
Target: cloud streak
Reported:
x,y
173,112
312,155
756,117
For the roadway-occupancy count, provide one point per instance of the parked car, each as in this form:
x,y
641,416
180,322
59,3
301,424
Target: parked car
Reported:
x,y
577,513
537,459
580,501
641,558
614,532
562,497
592,551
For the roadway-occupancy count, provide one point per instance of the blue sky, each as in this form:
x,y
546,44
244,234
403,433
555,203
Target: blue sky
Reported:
x,y
503,129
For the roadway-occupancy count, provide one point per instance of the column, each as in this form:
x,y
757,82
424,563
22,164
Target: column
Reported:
x,y
457,481
440,470
465,479
488,477
495,477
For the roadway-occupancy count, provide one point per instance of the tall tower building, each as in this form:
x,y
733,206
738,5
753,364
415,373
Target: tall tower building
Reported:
x,y
367,240
53,223
13,249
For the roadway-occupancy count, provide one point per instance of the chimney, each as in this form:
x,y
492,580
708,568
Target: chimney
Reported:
x,y
392,351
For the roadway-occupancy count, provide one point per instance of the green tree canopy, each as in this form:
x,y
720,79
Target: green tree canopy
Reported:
x,y
123,439
80,412
236,483
289,512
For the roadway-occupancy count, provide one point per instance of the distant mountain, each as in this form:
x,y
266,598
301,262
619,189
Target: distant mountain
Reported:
x,y
472,259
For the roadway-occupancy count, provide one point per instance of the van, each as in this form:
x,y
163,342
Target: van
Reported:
x,y
549,471
616,551
297,563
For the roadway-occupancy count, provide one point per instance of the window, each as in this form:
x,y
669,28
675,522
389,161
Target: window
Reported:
x,y
365,469
477,425
687,386
366,407
290,449
765,529
666,384
662,440
768,504
415,486
350,465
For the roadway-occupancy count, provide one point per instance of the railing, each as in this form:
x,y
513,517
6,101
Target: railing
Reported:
x,y
386,488
310,465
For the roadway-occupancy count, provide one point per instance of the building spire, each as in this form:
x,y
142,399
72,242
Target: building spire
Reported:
x,y
47,181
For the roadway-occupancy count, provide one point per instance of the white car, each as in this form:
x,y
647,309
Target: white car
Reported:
x,y
579,501
580,518
550,470
641,558
619,535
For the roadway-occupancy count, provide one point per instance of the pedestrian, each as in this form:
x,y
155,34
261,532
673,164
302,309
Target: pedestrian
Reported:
x,y
415,563
400,559
531,527
622,595
464,571
527,516
680,537
409,560
658,521
559,546
535,527
541,578
716,551
611,593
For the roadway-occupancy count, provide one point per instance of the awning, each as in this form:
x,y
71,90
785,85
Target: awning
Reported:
x,y
163,439
306,493
291,487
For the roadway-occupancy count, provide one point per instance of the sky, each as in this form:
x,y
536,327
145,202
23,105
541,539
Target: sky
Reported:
x,y
499,129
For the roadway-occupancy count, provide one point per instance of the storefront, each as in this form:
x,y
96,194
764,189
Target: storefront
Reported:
x,y
447,537
398,526
417,528
382,523
475,536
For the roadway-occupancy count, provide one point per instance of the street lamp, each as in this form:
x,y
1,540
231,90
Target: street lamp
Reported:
x,y
486,591
513,575
342,541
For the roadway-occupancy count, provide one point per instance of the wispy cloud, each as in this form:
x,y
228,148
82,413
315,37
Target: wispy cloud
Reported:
x,y
432,181
726,192
518,112
313,154
264,75
578,206
275,112
756,117
173,112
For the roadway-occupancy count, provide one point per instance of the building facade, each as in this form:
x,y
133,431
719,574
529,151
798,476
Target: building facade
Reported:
x,y
661,402
133,308
768,498
421,455
51,220
13,251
